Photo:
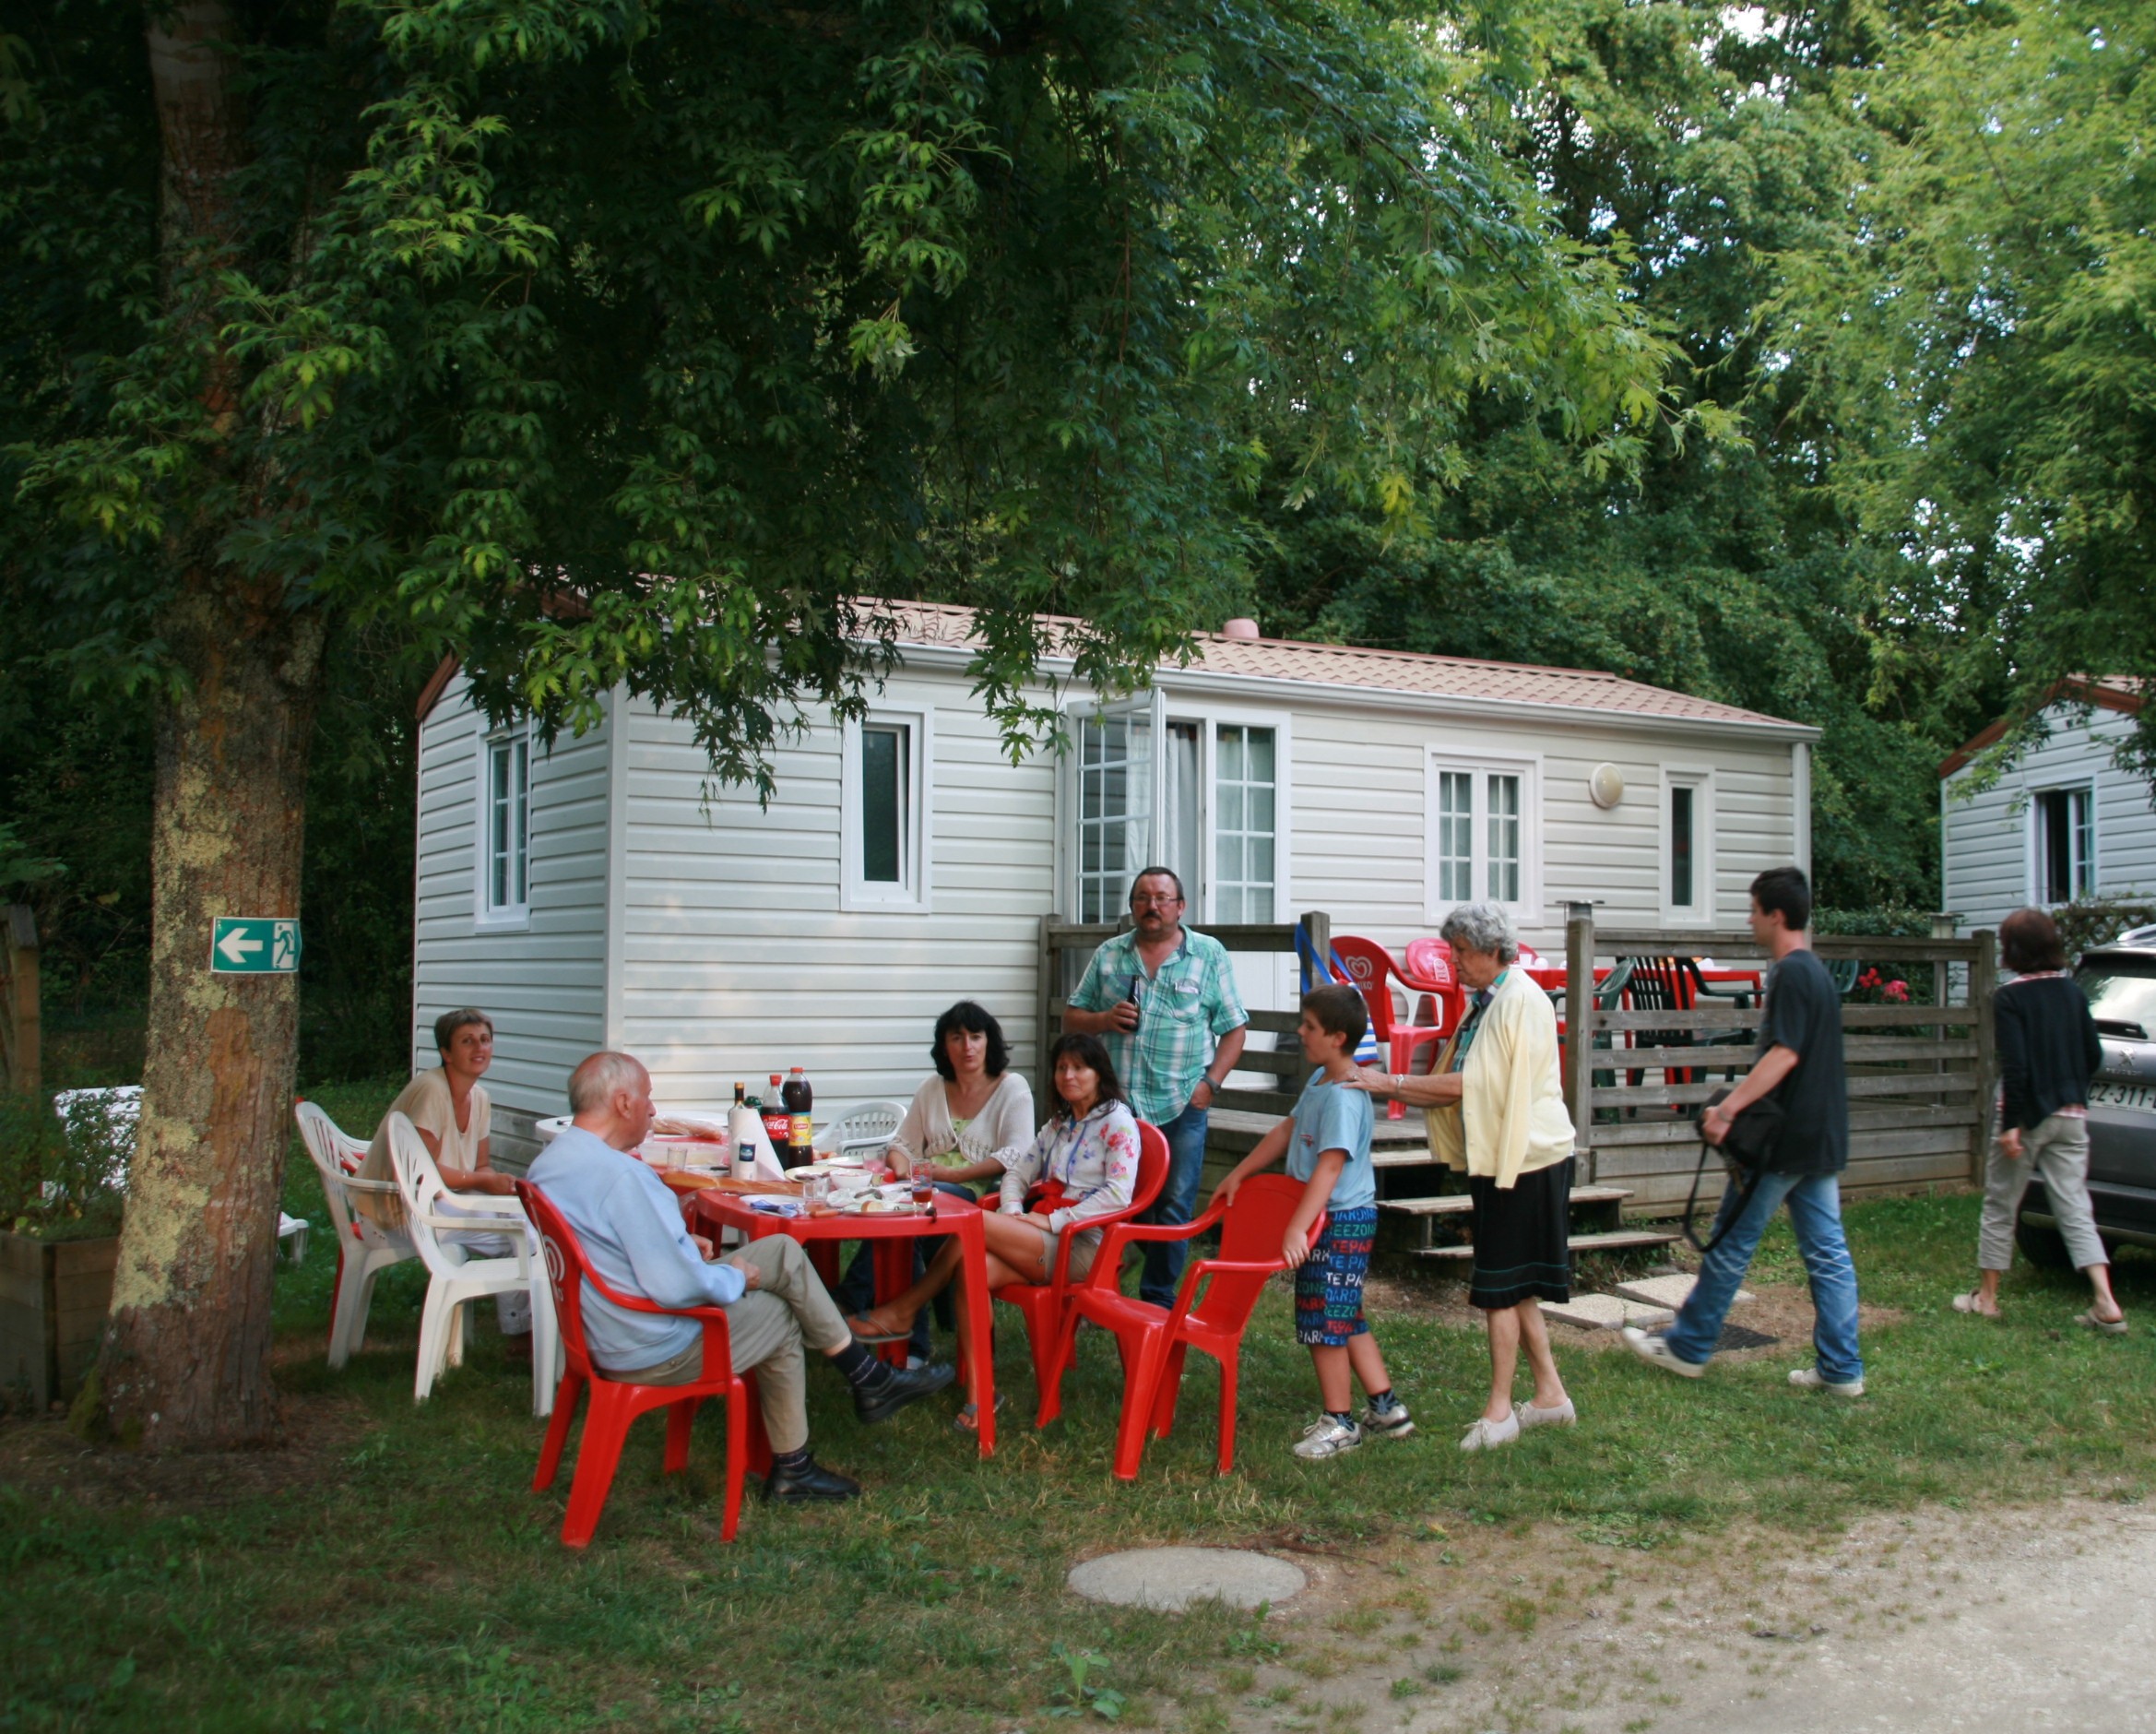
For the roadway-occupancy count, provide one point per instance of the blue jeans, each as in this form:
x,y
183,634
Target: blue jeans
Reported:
x,y
1179,1203
1815,1212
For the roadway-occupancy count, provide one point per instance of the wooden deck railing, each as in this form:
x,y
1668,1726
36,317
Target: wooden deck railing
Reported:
x,y
1921,1076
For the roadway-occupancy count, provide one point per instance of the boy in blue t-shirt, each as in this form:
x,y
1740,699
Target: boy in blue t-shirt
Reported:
x,y
1327,1143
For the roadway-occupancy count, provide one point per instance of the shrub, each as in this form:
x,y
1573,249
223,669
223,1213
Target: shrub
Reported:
x,y
62,1180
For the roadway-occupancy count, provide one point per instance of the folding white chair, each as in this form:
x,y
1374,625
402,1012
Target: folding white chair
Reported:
x,y
364,1248
432,1215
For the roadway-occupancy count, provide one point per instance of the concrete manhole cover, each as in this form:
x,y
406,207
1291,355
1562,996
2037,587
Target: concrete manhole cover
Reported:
x,y
1172,1578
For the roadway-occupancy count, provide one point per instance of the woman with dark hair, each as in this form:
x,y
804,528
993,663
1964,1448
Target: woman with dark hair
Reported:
x,y
971,1118
975,1113
1083,1164
2048,1050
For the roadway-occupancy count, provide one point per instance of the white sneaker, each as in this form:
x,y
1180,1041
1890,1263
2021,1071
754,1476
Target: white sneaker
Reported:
x,y
1654,1349
1487,1434
1563,1415
1327,1438
1808,1379
1392,1424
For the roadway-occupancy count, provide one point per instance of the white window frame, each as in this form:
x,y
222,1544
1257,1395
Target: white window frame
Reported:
x,y
1166,707
487,915
1700,779
914,894
1527,766
2038,890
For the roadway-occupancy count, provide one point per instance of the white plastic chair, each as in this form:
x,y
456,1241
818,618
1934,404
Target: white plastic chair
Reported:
x,y
364,1248
120,1105
859,1128
456,1278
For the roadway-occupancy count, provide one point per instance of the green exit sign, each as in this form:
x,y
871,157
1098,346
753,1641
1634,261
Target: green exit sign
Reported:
x,y
255,944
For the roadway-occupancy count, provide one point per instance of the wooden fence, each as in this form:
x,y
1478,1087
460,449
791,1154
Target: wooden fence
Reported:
x,y
1921,1076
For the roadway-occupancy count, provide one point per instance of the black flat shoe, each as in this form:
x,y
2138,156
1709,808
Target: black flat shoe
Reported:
x,y
808,1481
882,1403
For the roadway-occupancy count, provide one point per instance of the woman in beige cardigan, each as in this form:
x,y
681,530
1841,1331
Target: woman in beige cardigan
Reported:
x,y
1496,1110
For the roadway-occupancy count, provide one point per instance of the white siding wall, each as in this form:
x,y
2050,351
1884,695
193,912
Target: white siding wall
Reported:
x,y
1360,827
736,959
1989,857
707,937
543,987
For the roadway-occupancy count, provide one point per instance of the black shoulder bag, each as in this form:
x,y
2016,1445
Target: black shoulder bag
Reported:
x,y
1747,1150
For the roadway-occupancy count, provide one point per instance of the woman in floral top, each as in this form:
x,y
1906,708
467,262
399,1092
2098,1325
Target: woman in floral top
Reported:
x,y
1083,1164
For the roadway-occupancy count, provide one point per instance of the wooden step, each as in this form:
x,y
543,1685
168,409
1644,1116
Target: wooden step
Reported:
x,y
1459,1204
1622,1239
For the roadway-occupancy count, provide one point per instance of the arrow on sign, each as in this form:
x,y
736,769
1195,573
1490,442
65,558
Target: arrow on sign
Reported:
x,y
236,945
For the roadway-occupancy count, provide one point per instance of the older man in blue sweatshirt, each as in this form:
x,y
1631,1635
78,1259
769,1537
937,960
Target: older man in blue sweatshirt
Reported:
x,y
631,1226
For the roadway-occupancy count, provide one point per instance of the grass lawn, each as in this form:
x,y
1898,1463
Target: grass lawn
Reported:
x,y
391,1569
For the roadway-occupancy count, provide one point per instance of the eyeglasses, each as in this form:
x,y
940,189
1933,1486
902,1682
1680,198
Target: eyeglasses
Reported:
x,y
1163,898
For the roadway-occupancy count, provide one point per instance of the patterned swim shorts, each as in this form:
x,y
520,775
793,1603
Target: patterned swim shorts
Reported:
x,y
1328,1287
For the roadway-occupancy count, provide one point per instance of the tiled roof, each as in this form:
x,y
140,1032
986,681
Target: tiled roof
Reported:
x,y
1392,670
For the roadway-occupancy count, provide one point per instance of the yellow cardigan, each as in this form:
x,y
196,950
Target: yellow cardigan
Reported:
x,y
1512,1116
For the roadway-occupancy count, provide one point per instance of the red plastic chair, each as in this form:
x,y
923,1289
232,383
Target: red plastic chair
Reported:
x,y
614,1405
1427,973
1153,1340
1370,968
1044,1304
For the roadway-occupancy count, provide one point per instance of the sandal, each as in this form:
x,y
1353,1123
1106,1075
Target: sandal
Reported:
x,y
862,1335
967,1419
2110,1327
1969,1304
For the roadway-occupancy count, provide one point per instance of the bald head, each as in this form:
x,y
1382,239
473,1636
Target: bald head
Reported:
x,y
609,1096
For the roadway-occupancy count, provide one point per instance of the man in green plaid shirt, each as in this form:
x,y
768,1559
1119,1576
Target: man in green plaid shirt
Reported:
x,y
1165,999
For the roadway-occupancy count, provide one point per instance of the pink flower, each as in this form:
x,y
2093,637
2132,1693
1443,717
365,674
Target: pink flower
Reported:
x,y
1896,993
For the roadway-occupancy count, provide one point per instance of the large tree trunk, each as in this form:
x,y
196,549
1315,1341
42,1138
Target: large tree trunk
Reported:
x,y
187,1360
186,1355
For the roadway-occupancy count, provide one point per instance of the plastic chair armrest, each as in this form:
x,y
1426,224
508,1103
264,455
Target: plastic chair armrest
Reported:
x,y
352,1183
489,1205
1108,1257
1238,1268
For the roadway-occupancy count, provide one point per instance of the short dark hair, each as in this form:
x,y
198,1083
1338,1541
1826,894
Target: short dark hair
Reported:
x,y
1785,891
975,1020
1340,1011
449,1023
2029,941
1158,873
1089,1051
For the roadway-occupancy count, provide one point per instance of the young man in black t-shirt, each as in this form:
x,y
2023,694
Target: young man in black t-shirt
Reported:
x,y
1800,1066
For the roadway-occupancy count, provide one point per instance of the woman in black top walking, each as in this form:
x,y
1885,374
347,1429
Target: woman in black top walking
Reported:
x,y
2048,1051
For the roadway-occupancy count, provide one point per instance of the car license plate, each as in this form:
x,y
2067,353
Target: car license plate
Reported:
x,y
2141,1097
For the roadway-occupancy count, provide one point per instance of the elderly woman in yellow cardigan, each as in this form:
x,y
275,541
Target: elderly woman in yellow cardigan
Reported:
x,y
1497,1112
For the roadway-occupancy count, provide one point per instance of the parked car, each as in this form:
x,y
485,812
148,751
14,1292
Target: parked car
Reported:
x,y
2120,981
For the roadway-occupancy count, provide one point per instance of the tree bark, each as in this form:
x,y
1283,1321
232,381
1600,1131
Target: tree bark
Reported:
x,y
186,1352
186,1357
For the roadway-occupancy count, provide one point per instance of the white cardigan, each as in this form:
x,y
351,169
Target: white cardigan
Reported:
x,y
1000,1133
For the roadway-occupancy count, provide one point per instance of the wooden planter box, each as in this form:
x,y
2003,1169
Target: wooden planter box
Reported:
x,y
53,1298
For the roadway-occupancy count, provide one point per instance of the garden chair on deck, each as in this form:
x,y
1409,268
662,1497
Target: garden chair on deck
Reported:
x,y
454,1278
1371,970
1046,1305
615,1404
1211,1310
364,1248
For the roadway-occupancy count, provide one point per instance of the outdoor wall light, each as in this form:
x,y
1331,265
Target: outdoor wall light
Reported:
x,y
1605,786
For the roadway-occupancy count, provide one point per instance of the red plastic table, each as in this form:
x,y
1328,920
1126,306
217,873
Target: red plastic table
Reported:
x,y
891,1239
